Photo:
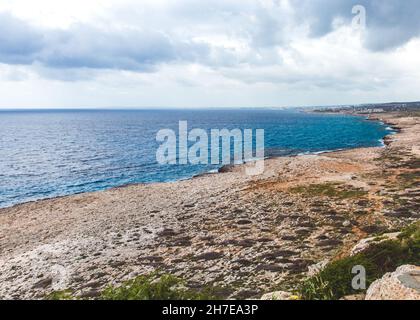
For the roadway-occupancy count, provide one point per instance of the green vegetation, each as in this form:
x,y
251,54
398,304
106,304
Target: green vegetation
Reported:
x,y
147,287
165,287
61,295
411,233
332,190
335,280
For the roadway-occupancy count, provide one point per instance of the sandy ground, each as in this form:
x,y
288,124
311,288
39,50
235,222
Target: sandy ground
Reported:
x,y
249,235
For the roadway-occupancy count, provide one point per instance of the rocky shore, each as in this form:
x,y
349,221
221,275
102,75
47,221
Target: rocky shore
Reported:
x,y
247,235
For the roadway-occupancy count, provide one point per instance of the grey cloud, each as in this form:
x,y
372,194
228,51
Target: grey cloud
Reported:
x,y
150,38
135,48
83,46
319,14
19,44
390,23
302,81
262,26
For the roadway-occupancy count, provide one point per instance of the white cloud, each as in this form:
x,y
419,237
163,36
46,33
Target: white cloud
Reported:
x,y
189,53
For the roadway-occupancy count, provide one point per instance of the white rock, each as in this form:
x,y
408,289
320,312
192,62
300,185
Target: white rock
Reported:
x,y
279,295
403,284
365,243
314,269
346,223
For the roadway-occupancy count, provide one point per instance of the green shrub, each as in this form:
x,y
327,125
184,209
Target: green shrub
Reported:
x,y
332,190
411,232
61,295
316,288
147,287
153,287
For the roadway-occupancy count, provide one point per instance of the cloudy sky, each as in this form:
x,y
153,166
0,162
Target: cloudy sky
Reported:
x,y
207,53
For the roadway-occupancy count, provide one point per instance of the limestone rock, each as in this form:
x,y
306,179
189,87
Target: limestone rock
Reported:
x,y
403,284
346,223
314,269
366,243
279,295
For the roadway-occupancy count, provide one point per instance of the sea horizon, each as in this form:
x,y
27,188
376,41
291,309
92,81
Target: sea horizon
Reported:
x,y
232,107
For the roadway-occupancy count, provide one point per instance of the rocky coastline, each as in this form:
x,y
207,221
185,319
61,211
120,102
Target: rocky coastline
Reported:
x,y
246,235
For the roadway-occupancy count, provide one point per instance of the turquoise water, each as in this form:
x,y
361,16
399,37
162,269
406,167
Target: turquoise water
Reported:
x,y
44,154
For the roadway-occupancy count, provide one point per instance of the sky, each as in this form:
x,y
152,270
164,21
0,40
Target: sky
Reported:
x,y
213,53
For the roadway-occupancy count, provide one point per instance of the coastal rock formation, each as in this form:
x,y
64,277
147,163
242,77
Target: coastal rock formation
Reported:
x,y
366,243
249,235
403,284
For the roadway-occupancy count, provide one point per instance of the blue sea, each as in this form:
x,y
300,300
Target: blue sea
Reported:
x,y
44,154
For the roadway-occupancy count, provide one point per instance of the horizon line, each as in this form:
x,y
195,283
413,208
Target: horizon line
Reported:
x,y
195,108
